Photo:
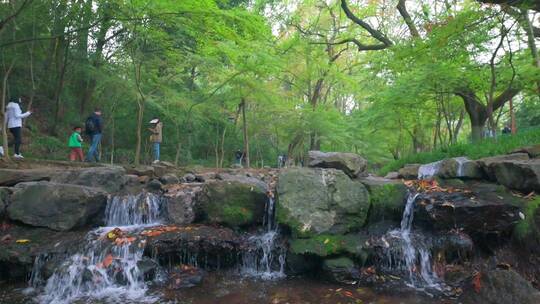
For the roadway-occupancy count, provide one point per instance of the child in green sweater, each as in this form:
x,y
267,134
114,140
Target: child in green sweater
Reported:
x,y
75,143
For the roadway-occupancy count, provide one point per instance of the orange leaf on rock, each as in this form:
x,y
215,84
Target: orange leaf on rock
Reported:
x,y
107,261
477,283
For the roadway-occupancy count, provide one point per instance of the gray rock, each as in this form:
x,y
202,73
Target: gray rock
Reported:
x,y
169,178
387,198
459,167
141,170
56,206
409,171
487,163
11,177
110,178
519,175
316,201
182,203
4,196
231,203
502,287
154,185
392,175
340,270
487,208
352,164
243,179
189,178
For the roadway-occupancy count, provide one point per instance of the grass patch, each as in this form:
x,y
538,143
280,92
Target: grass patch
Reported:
x,y
488,147
527,228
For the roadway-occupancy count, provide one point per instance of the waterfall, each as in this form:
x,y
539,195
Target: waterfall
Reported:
x,y
142,209
105,269
416,256
267,258
461,164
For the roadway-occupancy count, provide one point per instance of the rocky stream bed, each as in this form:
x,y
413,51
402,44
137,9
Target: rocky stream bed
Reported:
x,y
328,233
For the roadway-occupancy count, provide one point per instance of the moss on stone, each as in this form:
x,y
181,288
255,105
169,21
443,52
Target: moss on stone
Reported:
x,y
233,204
340,262
387,201
236,216
328,245
528,228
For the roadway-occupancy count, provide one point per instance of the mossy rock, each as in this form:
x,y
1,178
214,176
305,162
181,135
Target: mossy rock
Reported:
x,y
320,201
340,270
527,231
231,203
387,201
325,245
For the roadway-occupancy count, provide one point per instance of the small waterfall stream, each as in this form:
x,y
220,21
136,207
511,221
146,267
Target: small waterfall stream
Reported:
x,y
417,256
267,260
104,269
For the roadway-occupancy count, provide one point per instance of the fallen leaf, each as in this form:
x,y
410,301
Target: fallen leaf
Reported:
x,y
22,241
107,261
476,282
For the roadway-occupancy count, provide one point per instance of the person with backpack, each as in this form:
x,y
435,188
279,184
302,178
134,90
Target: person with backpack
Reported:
x,y
93,128
156,136
14,117
75,144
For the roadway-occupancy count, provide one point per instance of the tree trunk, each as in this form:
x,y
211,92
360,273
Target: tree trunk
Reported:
x,y
4,126
140,113
245,131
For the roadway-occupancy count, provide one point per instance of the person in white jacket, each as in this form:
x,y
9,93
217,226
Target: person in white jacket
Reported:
x,y
14,117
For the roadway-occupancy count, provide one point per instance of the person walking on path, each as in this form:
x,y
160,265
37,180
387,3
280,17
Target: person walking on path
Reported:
x,y
14,117
75,143
93,128
156,137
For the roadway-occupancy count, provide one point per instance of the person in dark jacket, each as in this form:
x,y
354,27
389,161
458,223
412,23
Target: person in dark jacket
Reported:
x,y
94,128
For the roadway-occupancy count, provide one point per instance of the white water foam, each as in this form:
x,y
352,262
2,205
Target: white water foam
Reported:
x,y
416,257
268,255
104,270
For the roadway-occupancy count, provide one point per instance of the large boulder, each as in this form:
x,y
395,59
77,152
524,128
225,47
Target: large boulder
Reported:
x,y
11,177
521,175
387,198
317,201
243,179
484,208
182,202
231,203
409,171
352,164
110,178
500,286
56,206
487,163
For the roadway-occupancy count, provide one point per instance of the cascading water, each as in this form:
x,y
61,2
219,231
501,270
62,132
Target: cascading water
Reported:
x,y
461,165
105,269
417,257
267,259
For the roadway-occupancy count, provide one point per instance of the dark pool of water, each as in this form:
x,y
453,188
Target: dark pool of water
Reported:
x,y
230,289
